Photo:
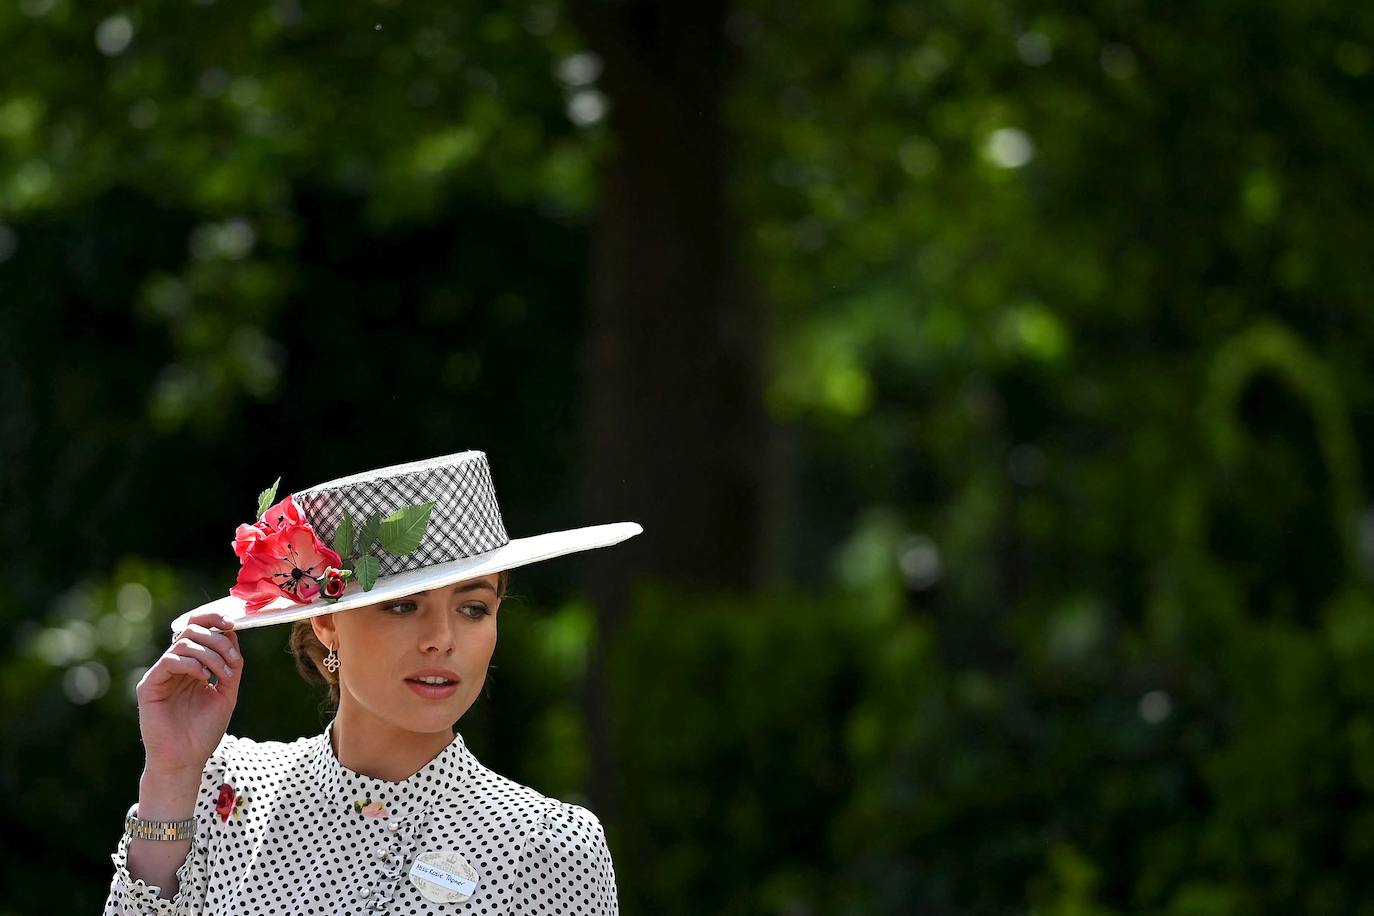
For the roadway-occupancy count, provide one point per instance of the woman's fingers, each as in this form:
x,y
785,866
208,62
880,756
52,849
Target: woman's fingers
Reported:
x,y
193,666
189,648
207,649
210,619
233,637
219,642
170,666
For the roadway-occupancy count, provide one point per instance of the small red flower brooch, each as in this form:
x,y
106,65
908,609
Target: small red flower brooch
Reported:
x,y
281,556
229,803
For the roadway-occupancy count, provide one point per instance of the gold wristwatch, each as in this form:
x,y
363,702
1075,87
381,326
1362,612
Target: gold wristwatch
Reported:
x,y
138,828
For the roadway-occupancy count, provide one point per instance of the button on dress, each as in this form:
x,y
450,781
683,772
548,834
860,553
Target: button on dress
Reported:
x,y
285,828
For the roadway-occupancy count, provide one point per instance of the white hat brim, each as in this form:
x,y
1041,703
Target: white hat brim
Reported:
x,y
517,552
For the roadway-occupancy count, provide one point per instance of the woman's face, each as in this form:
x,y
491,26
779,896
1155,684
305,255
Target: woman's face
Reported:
x,y
384,648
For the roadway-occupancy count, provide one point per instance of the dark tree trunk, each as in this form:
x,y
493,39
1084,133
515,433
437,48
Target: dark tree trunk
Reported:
x,y
676,434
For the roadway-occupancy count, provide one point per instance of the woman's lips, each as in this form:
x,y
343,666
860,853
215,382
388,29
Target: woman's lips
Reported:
x,y
432,691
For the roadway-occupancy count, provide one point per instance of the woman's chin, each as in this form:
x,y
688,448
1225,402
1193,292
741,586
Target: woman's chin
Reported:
x,y
423,714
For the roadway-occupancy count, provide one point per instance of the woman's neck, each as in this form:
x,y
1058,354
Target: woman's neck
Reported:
x,y
374,747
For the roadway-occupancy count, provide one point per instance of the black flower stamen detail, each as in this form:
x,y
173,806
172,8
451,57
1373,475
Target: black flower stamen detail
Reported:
x,y
293,578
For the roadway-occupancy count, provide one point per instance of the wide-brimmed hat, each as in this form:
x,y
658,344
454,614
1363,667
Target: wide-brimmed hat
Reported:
x,y
378,535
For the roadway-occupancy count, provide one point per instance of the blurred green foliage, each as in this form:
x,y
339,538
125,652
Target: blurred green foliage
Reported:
x,y
1072,334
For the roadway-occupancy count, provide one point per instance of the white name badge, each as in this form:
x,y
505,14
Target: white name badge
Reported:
x,y
444,877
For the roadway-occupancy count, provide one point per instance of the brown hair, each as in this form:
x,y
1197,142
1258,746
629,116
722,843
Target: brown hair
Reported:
x,y
309,652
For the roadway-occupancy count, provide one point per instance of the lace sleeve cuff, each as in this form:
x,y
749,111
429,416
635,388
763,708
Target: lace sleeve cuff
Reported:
x,y
136,897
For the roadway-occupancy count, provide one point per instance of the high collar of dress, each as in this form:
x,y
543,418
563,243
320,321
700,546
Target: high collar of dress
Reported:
x,y
360,796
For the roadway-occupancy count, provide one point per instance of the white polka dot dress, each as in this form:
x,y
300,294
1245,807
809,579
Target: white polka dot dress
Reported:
x,y
285,828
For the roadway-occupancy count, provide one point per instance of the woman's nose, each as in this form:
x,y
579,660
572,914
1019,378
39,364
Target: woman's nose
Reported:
x,y
437,632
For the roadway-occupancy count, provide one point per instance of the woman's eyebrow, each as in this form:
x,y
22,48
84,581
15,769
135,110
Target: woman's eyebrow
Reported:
x,y
477,586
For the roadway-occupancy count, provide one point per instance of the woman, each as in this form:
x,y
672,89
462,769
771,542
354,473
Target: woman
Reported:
x,y
387,810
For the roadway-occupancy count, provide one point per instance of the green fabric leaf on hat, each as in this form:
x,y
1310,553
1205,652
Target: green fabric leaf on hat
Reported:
x,y
367,569
343,538
403,530
369,533
267,497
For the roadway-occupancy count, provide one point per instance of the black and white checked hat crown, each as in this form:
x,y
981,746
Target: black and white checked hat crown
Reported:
x,y
464,522
465,538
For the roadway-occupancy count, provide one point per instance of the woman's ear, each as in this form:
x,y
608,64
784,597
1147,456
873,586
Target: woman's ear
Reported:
x,y
325,630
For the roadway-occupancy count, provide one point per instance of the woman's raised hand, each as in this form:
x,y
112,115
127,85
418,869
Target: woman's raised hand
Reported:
x,y
186,698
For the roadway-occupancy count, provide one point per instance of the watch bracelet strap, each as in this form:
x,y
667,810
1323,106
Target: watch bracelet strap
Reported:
x,y
142,829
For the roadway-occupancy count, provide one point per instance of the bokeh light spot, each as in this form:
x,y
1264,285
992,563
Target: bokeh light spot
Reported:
x,y
587,107
1155,707
580,69
918,557
114,34
134,602
1009,147
84,683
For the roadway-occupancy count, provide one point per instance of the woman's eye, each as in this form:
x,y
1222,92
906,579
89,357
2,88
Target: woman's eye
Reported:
x,y
399,608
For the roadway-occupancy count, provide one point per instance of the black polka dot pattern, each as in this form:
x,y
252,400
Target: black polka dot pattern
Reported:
x,y
296,832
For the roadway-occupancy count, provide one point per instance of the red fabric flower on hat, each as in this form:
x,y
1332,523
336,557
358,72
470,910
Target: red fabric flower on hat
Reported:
x,y
280,556
335,581
284,514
